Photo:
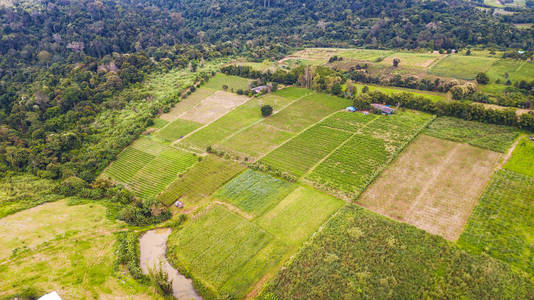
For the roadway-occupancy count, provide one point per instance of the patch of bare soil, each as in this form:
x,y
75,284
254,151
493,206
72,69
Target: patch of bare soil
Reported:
x,y
213,107
152,252
433,185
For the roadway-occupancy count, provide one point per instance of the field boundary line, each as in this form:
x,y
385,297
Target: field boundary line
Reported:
x,y
508,154
337,148
260,120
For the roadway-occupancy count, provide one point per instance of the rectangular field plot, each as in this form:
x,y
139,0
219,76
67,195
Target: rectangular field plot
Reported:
x,y
298,215
361,255
354,165
254,192
159,123
365,54
211,108
488,136
502,224
127,164
427,185
187,103
217,245
407,59
522,160
200,181
462,67
231,82
176,129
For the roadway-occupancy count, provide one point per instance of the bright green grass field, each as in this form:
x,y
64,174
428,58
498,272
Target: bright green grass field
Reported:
x,y
298,215
217,245
201,180
176,129
488,136
254,192
292,93
409,59
354,165
159,123
462,67
393,90
233,82
361,255
501,67
522,160
502,224
365,54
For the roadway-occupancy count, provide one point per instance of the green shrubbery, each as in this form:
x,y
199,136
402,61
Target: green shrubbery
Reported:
x,y
127,253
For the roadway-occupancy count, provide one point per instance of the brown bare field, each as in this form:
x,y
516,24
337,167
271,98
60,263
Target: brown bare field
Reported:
x,y
213,107
433,185
187,104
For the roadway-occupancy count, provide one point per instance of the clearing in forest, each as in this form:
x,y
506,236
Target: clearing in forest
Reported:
x,y
434,184
502,224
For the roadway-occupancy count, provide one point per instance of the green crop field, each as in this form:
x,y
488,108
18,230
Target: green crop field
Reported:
x,y
463,67
502,224
488,136
361,255
176,129
233,82
354,165
149,146
159,123
365,54
347,121
216,246
502,67
200,181
522,160
298,215
129,162
410,59
395,90
254,192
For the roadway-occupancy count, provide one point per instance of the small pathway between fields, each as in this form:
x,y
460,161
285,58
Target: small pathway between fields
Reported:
x,y
152,246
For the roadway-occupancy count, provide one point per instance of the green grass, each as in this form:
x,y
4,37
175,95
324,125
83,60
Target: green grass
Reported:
x,y
394,90
354,165
176,129
254,192
361,255
501,67
522,160
502,224
63,248
149,146
23,191
365,54
129,162
292,92
218,245
233,82
411,59
298,215
159,123
200,181
462,67
488,136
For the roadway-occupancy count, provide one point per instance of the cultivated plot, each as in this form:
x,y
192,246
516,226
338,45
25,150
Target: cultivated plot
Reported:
x,y
434,184
187,103
213,107
176,129
522,159
407,59
463,67
232,83
502,224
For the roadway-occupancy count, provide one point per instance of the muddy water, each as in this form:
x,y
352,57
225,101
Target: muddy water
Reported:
x,y
153,245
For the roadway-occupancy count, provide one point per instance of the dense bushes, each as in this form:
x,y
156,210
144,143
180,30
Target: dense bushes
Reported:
x,y
127,253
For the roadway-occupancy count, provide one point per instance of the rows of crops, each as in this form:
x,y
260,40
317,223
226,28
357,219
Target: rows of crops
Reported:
x,y
502,224
201,180
347,121
254,192
488,136
149,146
354,165
361,255
176,129
129,162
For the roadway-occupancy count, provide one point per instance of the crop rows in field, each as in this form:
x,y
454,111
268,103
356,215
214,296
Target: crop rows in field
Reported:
x,y
522,160
355,164
502,224
129,162
149,146
488,136
201,180
176,129
347,121
254,192
160,172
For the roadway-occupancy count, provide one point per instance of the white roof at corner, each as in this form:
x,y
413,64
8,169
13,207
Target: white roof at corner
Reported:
x,y
50,296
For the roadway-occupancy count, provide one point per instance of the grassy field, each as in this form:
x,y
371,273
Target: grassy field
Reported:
x,y
68,249
395,90
233,82
200,181
361,255
463,67
176,129
187,103
159,123
254,192
410,59
23,191
426,185
356,163
365,54
488,136
502,224
522,160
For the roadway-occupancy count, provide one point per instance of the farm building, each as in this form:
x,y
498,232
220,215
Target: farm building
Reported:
x,y
351,108
261,88
383,108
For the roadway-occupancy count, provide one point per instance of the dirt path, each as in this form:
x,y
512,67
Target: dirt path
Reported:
x,y
153,246
508,154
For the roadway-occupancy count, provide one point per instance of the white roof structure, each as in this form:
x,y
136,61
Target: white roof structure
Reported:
x,y
50,296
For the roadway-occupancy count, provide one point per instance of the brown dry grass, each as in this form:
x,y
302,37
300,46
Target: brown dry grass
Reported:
x,y
433,185
187,104
213,107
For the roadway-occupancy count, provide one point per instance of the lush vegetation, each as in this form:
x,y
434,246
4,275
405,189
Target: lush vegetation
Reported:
x,y
200,181
502,223
362,255
176,129
463,67
488,136
522,160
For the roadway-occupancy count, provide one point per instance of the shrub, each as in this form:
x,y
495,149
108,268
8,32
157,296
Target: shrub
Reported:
x,y
160,280
482,78
266,110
